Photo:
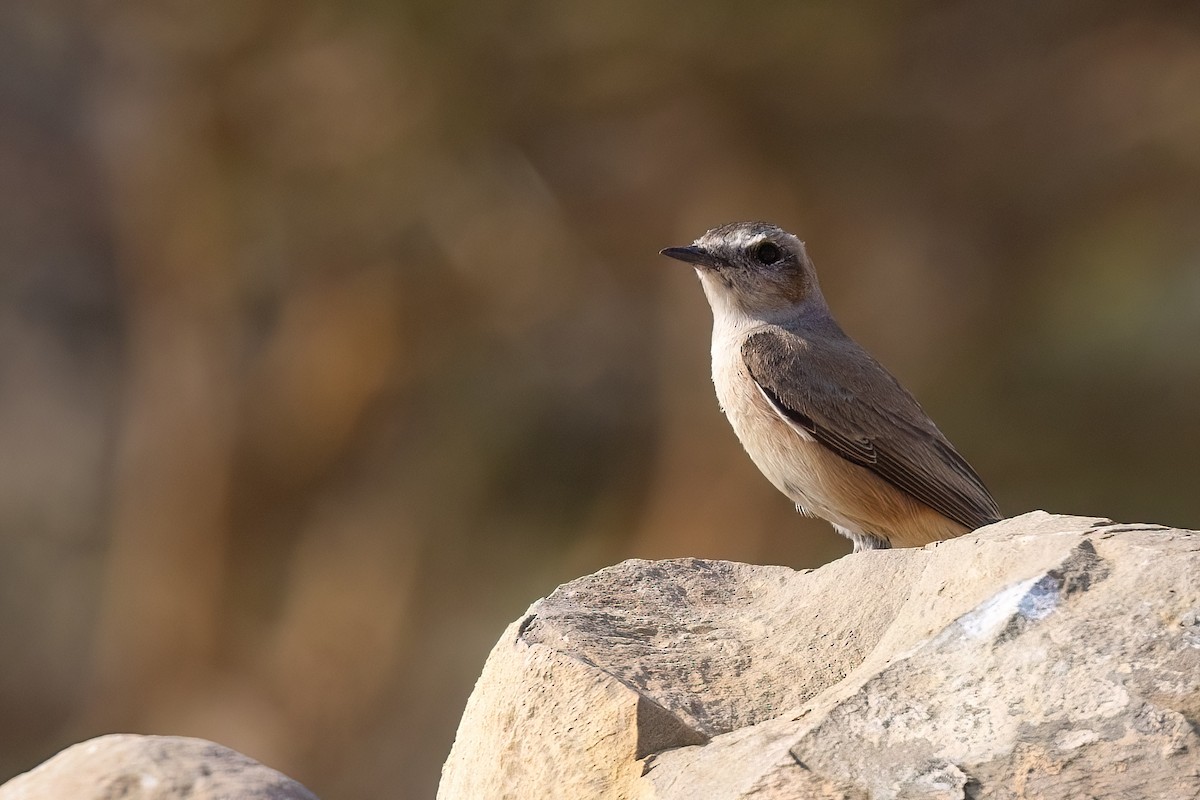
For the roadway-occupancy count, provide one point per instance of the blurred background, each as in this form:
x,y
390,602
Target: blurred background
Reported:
x,y
333,334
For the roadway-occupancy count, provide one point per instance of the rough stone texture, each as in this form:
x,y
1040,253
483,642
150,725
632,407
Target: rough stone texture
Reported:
x,y
1043,656
152,768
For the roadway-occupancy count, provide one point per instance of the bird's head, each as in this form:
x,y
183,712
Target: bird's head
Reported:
x,y
753,268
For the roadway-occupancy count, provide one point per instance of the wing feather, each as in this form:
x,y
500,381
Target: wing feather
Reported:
x,y
893,438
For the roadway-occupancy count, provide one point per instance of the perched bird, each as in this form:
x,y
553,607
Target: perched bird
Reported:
x,y
826,424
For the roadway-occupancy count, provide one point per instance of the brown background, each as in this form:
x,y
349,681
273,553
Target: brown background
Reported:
x,y
334,334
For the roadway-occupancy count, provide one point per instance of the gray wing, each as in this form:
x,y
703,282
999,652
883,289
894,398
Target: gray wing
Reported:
x,y
868,418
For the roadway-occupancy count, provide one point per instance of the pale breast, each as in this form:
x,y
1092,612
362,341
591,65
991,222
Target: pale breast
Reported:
x,y
788,458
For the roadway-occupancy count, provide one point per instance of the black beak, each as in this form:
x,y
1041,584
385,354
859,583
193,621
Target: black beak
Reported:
x,y
692,255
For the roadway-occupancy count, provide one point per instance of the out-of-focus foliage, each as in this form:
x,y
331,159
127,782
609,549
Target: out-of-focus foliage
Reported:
x,y
333,334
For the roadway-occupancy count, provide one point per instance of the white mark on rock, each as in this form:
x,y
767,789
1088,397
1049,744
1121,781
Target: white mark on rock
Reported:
x,y
1073,740
989,615
1032,599
1041,599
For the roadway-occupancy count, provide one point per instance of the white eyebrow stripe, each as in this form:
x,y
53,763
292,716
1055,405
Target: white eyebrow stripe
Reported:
x,y
745,240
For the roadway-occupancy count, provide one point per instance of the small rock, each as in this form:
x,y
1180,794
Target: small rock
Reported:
x,y
134,767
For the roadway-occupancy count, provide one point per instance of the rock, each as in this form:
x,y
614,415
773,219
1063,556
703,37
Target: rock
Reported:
x,y
152,768
1043,656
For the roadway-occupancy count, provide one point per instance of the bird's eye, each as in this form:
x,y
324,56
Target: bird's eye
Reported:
x,y
767,253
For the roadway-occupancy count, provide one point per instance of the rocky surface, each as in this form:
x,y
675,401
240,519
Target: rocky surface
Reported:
x,y
1044,656
152,768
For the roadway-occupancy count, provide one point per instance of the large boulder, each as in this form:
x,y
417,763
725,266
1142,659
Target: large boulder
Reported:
x,y
1043,656
152,768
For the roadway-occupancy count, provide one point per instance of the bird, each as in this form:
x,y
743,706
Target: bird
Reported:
x,y
825,422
